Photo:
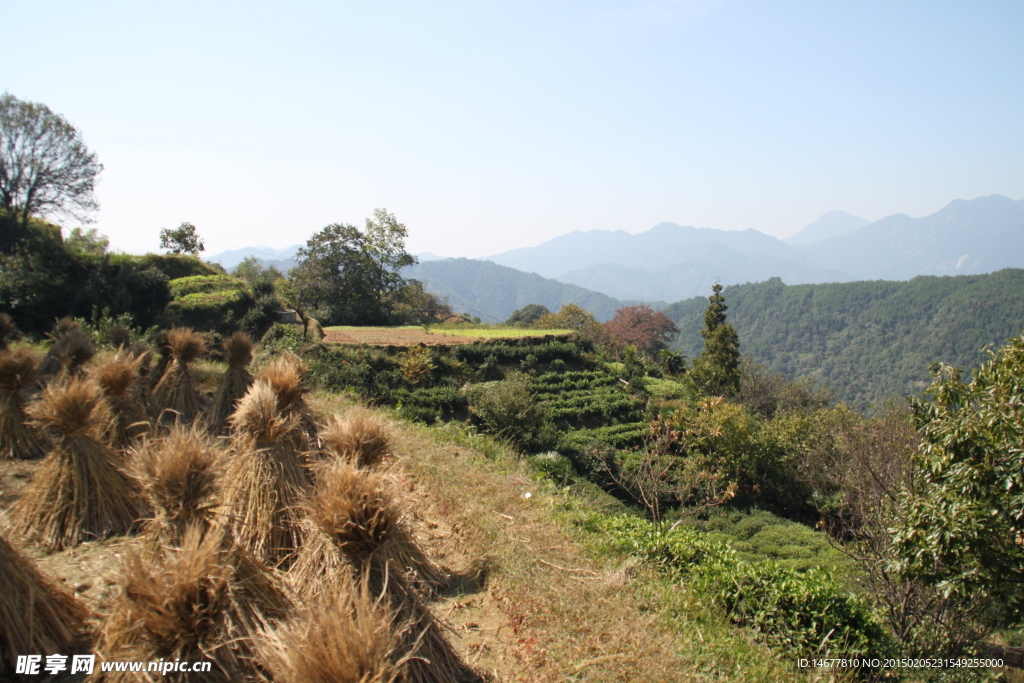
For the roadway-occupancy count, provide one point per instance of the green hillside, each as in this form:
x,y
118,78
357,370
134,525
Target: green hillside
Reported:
x,y
867,340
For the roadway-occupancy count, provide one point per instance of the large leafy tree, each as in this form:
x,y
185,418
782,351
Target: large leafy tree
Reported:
x,y
717,369
183,239
643,327
45,169
345,275
962,523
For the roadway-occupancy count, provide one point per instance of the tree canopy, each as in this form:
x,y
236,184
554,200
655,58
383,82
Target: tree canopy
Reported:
x,y
643,327
345,275
45,168
962,526
717,368
182,240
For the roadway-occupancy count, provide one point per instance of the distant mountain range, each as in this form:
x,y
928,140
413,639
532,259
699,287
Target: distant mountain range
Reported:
x,y
672,262
602,270
493,292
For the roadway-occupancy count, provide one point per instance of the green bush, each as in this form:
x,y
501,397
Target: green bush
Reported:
x,y
221,311
509,410
283,338
204,284
805,612
174,266
554,466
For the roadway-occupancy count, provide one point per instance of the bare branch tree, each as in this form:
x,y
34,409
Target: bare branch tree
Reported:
x,y
45,168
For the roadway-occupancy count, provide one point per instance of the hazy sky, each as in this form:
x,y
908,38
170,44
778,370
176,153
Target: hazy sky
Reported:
x,y
486,126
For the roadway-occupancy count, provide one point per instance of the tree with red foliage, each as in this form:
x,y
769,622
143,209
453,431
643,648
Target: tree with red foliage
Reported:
x,y
643,327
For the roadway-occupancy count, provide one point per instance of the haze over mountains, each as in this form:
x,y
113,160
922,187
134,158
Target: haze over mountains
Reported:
x,y
602,269
672,262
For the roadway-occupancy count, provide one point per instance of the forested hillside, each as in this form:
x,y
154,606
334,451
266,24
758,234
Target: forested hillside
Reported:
x,y
867,340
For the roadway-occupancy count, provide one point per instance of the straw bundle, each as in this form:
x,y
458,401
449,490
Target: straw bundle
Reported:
x,y
163,348
71,351
235,382
266,482
355,527
8,331
119,336
18,439
176,392
179,476
361,438
191,603
287,376
117,376
36,615
79,491
346,636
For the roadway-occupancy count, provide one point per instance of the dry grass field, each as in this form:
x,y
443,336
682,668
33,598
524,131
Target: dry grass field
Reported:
x,y
411,335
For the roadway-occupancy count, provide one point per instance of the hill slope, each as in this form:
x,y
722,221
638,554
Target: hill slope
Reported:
x,y
493,292
867,340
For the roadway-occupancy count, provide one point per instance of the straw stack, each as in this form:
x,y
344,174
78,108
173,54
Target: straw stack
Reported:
x,y
80,490
18,439
117,376
36,615
235,382
266,483
176,392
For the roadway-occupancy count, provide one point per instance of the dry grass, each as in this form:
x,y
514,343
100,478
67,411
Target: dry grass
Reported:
x,y
266,483
119,336
234,383
36,615
117,376
72,350
180,477
346,635
80,490
18,439
354,526
176,393
287,376
179,605
361,438
355,519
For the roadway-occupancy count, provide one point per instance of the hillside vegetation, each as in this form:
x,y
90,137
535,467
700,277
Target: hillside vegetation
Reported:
x,y
866,340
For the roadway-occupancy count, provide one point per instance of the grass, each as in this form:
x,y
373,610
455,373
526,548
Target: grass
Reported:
x,y
533,597
478,332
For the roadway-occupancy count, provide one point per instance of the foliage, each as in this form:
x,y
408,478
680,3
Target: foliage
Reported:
x,y
417,364
412,304
527,315
799,611
182,240
717,369
345,275
963,520
867,341
569,317
253,272
508,410
45,169
208,302
643,327
204,284
87,242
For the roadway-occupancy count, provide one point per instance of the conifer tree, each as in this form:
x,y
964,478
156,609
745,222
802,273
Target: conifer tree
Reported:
x,y
717,369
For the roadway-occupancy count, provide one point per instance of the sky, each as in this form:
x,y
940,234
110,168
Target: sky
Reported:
x,y
487,126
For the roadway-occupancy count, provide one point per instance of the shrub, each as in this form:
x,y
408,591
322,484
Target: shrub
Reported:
x,y
509,410
204,284
220,310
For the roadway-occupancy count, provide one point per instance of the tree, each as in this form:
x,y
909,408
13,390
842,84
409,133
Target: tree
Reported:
x,y
345,275
182,240
961,526
45,169
643,327
88,242
253,272
717,369
527,314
